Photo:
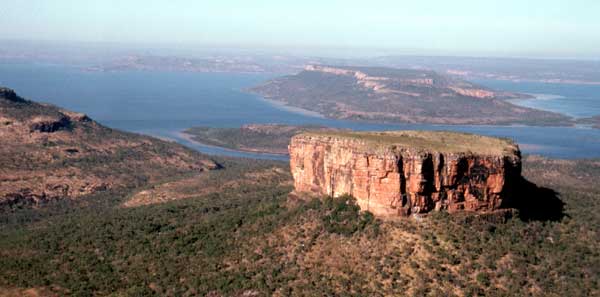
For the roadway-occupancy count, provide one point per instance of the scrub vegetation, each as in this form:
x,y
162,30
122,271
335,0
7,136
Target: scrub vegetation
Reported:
x,y
249,239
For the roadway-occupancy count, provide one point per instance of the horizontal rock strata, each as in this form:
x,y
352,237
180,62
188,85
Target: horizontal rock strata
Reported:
x,y
402,173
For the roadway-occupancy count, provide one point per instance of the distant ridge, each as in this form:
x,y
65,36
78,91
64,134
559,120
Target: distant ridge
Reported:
x,y
400,95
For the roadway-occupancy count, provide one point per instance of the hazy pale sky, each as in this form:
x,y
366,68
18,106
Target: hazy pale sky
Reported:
x,y
508,27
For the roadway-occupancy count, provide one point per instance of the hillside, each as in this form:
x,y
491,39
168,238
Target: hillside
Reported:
x,y
400,95
47,154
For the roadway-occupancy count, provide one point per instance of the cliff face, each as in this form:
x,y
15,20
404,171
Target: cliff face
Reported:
x,y
398,180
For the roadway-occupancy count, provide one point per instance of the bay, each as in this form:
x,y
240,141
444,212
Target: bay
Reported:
x,y
163,104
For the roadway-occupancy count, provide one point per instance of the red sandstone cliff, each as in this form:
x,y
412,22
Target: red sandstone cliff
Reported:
x,y
392,177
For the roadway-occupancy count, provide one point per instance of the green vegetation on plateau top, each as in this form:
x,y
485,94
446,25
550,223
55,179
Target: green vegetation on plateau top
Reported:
x,y
439,141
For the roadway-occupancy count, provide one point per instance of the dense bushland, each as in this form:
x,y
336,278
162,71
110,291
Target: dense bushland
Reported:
x,y
249,239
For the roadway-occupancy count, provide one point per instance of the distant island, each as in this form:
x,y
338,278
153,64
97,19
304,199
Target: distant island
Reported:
x,y
206,64
256,138
381,94
561,71
594,121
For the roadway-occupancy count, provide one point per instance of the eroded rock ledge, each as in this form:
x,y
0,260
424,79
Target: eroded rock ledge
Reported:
x,y
407,172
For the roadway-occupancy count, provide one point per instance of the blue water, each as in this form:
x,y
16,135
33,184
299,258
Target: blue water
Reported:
x,y
165,103
577,101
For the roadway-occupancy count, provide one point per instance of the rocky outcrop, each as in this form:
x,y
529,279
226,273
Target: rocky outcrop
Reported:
x,y
64,120
476,93
47,192
401,173
50,124
10,95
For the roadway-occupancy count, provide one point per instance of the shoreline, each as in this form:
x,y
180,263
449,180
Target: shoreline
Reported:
x,y
301,111
539,99
189,137
284,106
546,81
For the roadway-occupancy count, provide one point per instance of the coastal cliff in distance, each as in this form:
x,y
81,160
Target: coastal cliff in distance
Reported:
x,y
400,173
400,95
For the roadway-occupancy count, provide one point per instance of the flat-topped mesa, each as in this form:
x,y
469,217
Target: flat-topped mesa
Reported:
x,y
400,173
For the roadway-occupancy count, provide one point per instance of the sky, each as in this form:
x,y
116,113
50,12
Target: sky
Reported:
x,y
545,28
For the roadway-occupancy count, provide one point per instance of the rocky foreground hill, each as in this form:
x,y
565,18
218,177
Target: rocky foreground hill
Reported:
x,y
400,95
407,172
48,153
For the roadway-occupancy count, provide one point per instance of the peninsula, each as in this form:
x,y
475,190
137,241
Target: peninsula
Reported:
x,y
381,94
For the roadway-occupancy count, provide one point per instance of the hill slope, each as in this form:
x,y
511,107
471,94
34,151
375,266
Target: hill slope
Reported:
x,y
400,95
47,153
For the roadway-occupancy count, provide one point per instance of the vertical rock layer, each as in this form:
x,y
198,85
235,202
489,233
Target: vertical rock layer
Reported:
x,y
406,172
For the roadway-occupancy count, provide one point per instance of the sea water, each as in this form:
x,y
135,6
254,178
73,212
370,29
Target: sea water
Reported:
x,y
165,103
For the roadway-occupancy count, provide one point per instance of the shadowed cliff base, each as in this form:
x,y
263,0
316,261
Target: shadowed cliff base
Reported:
x,y
537,203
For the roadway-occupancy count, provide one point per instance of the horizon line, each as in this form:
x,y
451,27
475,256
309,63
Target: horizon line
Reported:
x,y
304,50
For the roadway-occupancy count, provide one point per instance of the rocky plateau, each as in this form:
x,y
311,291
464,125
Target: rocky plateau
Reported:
x,y
394,174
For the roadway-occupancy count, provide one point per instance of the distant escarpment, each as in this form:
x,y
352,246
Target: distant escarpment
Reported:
x,y
48,153
400,173
400,95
